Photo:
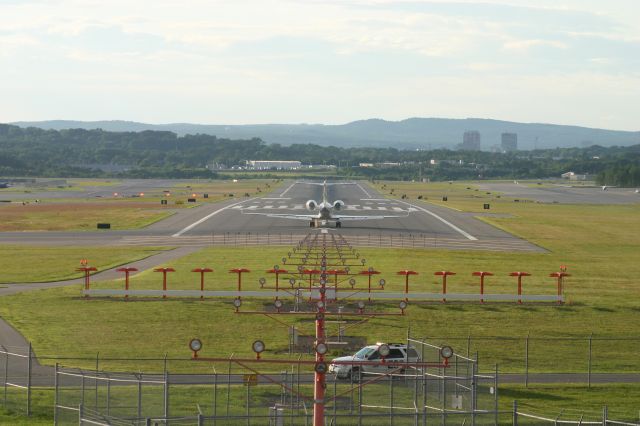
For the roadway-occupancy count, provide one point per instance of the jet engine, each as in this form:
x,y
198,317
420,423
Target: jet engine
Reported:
x,y
338,205
311,205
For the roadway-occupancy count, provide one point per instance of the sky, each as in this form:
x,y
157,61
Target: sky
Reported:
x,y
278,61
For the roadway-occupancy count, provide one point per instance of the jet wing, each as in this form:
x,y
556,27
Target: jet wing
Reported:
x,y
343,218
285,216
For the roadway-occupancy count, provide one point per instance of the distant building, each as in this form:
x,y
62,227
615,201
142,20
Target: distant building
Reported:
x,y
576,176
270,164
435,162
509,142
365,165
471,141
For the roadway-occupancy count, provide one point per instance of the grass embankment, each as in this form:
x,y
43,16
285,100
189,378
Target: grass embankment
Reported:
x,y
41,264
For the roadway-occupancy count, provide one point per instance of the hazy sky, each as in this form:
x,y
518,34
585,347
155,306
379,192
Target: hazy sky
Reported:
x,y
558,61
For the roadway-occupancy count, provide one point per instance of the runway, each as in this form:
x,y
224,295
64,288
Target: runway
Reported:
x,y
565,194
416,224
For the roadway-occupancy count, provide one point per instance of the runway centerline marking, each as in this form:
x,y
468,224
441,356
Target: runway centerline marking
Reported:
x,y
207,217
443,220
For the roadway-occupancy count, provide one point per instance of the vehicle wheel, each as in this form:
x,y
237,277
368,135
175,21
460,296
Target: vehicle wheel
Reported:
x,y
355,375
311,224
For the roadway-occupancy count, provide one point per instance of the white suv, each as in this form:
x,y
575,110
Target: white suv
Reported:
x,y
398,352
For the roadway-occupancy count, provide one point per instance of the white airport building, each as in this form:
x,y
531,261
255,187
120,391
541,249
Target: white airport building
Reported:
x,y
273,164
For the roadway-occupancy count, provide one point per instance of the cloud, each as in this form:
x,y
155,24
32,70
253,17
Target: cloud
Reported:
x,y
524,45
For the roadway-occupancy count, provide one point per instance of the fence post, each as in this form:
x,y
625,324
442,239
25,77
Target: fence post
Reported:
x,y
6,373
55,396
139,396
495,396
515,413
80,414
605,415
95,403
526,361
29,367
590,352
166,394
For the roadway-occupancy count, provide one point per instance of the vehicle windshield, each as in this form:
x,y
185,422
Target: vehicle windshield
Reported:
x,y
364,352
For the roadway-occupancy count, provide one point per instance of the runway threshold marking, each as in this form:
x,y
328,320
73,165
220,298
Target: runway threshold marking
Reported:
x,y
363,190
286,190
443,220
207,217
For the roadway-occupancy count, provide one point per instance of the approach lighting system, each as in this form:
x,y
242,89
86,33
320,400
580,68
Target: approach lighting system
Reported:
x,y
278,304
320,304
361,305
384,350
446,352
276,267
262,281
284,260
382,282
403,305
322,348
363,261
352,282
195,345
292,281
258,347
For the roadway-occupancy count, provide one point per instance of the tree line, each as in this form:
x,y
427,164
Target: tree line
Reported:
x,y
74,152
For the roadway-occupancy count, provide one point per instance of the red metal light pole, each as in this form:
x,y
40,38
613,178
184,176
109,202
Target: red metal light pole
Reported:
x,y
277,271
87,273
164,279
335,273
481,274
560,276
406,274
520,275
370,272
126,277
444,275
202,271
320,366
239,271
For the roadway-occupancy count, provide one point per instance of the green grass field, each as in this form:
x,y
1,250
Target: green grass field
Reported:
x,y
60,263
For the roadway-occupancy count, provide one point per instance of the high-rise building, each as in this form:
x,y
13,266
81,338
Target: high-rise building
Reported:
x,y
471,141
509,142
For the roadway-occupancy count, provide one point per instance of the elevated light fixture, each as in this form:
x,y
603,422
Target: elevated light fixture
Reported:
x,y
237,303
384,350
382,282
258,347
262,281
292,281
321,367
195,345
278,304
322,348
446,352
352,282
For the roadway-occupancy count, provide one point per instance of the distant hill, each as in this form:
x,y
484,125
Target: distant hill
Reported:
x,y
419,133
